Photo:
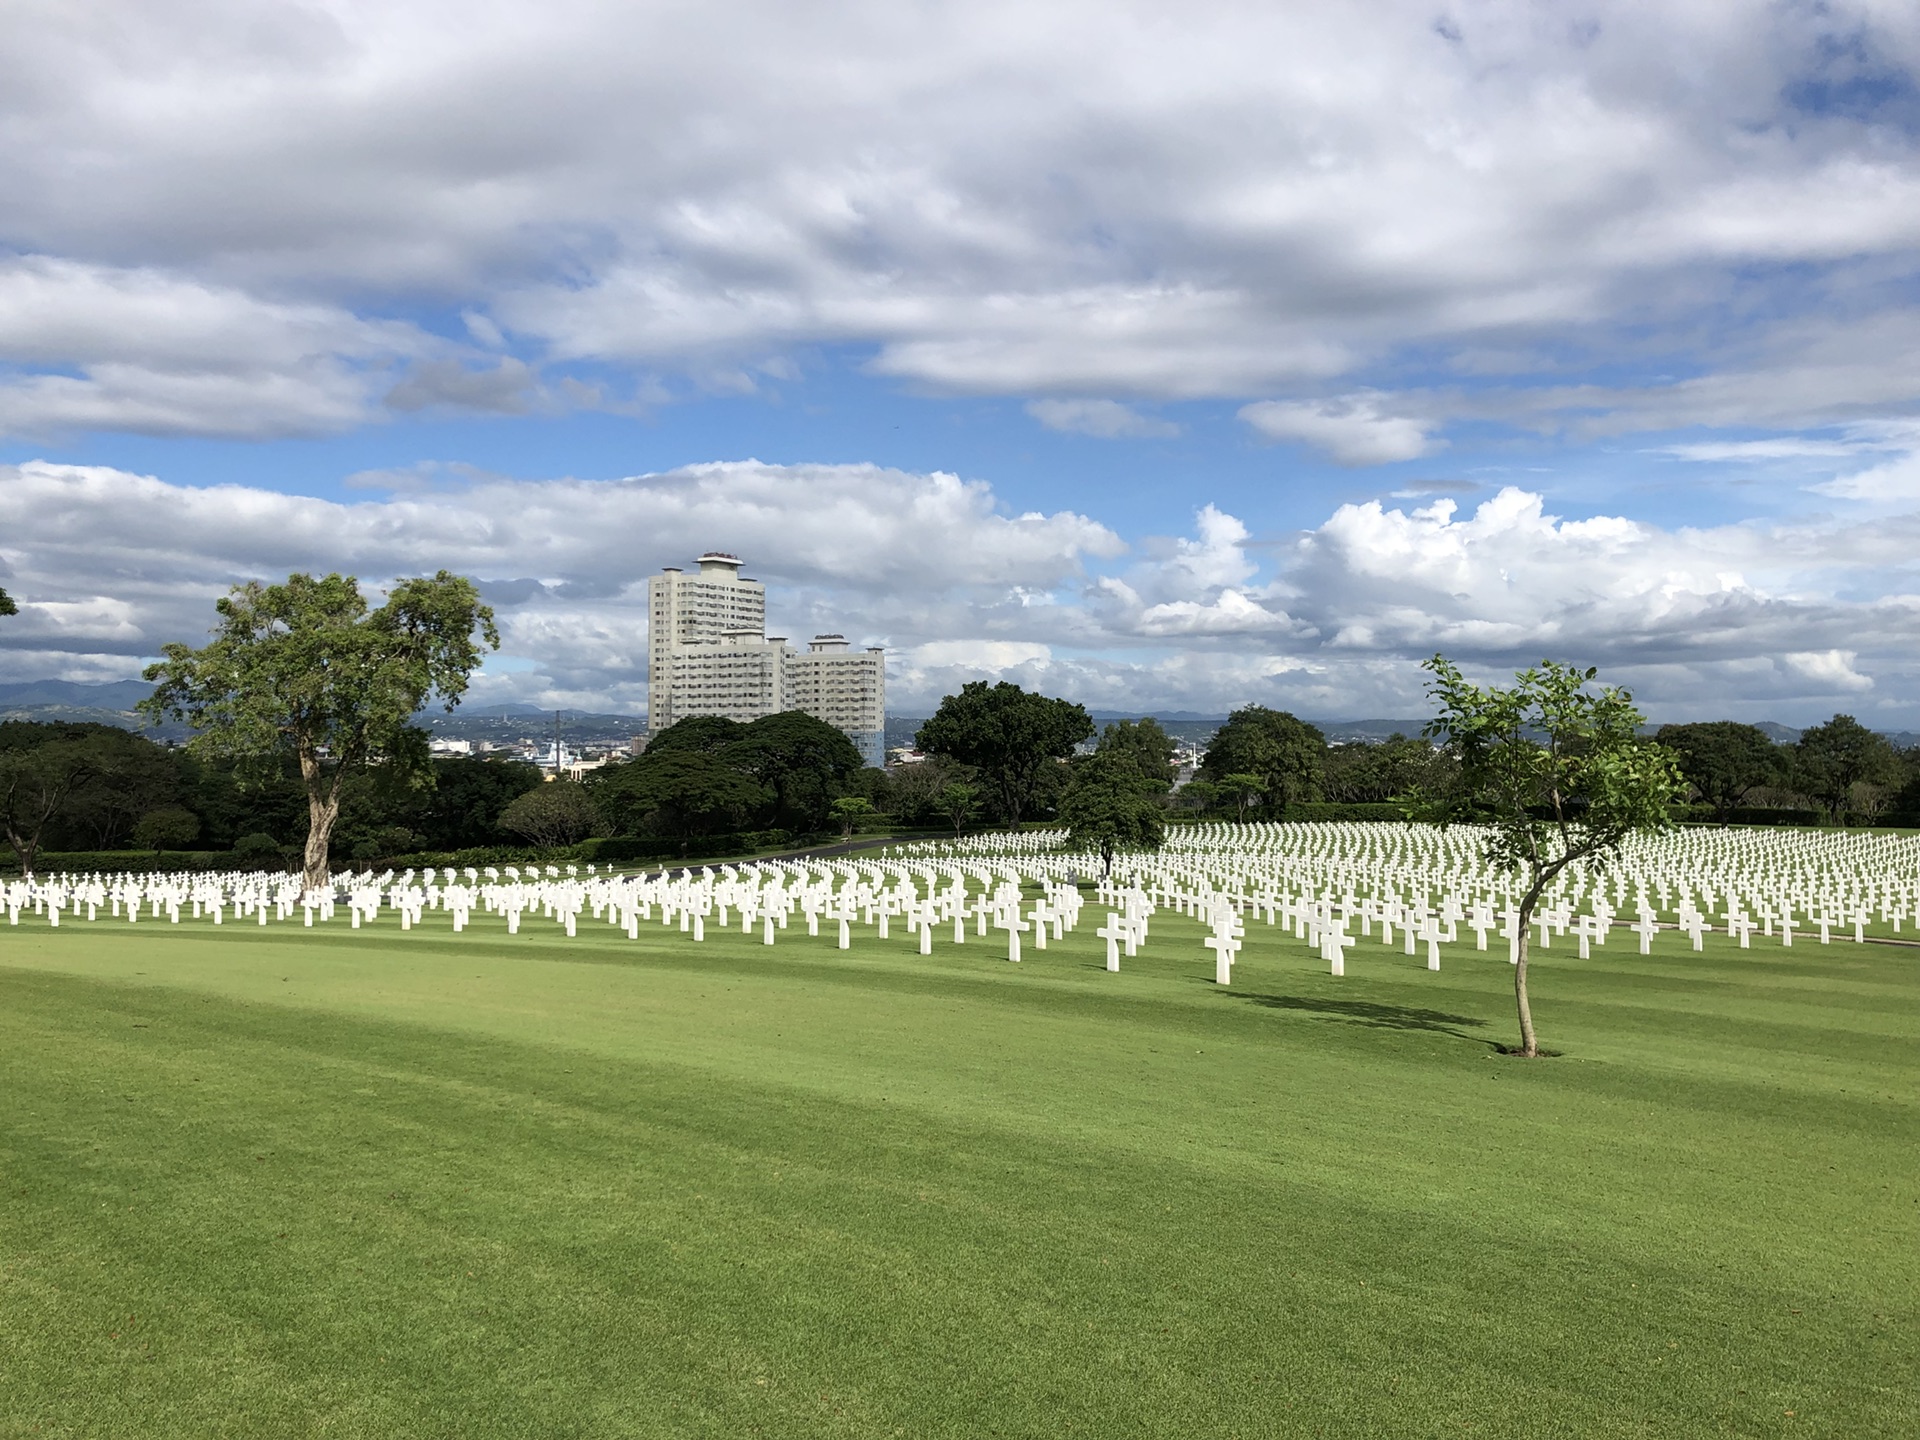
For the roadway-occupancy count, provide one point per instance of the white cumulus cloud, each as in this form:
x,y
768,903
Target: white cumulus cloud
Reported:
x,y
1760,620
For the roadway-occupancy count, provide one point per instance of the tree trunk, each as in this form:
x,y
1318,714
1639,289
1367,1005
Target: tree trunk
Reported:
x,y
26,849
321,814
323,808
1529,1043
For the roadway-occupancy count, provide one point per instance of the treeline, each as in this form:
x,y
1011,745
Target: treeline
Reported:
x,y
1838,773
997,755
84,787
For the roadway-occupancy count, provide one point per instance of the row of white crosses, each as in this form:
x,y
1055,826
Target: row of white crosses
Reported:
x,y
1427,885
1414,888
765,897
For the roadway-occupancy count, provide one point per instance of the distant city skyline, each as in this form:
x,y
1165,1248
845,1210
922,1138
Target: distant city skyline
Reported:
x,y
1250,359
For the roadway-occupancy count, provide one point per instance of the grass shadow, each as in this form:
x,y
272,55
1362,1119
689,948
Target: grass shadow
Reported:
x,y
1371,1014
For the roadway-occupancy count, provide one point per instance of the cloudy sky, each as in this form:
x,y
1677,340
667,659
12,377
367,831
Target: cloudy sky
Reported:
x,y
1163,356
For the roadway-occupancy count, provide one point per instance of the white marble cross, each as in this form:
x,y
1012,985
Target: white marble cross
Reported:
x,y
1646,927
1224,948
1010,921
1430,932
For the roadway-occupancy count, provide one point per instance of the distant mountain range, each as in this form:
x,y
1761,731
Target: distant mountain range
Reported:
x,y
107,695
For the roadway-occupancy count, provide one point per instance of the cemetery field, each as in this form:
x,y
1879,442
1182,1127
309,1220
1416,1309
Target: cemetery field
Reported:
x,y
274,1181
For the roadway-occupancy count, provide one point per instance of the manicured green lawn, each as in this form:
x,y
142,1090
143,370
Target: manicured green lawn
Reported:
x,y
287,1182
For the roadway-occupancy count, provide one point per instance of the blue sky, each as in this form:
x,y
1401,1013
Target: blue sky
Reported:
x,y
1164,359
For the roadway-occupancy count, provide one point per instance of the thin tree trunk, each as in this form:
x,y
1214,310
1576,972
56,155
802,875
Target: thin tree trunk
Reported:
x,y
1529,1043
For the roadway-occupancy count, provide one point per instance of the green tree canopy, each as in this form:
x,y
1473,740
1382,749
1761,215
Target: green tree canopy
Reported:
x,y
959,803
1285,751
678,792
36,781
167,827
117,776
1150,747
1243,788
131,776
1723,760
305,670
1398,766
1830,759
1109,805
701,734
556,813
806,764
849,811
913,790
1008,735
1557,772
787,769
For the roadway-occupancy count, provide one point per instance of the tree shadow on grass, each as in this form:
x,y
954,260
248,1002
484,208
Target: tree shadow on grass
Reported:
x,y
1371,1014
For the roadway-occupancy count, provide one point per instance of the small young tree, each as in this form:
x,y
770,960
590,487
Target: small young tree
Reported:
x,y
1557,773
848,811
958,802
303,669
1244,789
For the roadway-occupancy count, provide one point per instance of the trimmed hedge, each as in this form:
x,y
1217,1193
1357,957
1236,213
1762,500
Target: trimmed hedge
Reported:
x,y
1343,810
86,862
1303,810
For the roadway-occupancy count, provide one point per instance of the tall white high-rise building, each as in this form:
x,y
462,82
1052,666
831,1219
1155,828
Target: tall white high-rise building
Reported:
x,y
708,653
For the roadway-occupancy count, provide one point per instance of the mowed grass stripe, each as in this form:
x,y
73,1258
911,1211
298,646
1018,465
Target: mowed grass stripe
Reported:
x,y
721,1190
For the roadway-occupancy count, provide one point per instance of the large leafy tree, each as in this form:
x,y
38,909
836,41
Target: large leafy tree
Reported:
x,y
104,779
1008,735
556,813
1285,752
307,670
1109,805
1397,766
41,768
805,763
1557,772
678,792
7,607
131,776
703,734
913,790
1830,759
1724,760
1149,747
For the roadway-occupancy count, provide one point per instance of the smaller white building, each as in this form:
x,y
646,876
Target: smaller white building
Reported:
x,y
845,687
